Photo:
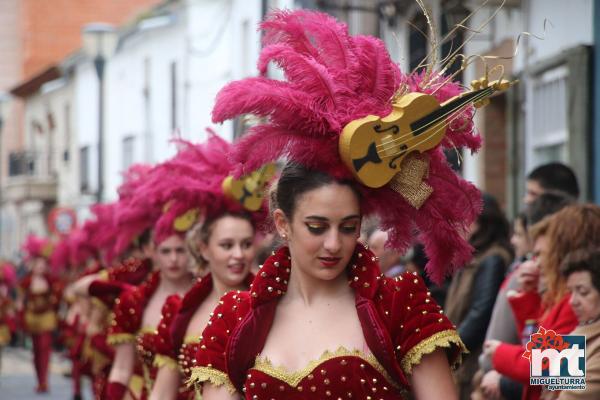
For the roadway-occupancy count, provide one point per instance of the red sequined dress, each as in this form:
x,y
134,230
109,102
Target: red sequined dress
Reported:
x,y
126,327
132,271
174,348
40,309
400,321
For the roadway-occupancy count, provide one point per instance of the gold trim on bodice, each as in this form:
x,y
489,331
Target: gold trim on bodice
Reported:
x,y
189,339
263,364
211,375
443,339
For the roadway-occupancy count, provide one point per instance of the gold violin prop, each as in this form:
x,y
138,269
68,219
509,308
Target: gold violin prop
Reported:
x,y
249,190
373,148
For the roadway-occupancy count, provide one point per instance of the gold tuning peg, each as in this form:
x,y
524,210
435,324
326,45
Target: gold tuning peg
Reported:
x,y
481,103
484,82
503,84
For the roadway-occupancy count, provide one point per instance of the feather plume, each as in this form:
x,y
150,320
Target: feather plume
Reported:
x,y
331,80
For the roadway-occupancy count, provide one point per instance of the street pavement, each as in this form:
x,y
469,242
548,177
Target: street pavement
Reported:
x,y
17,377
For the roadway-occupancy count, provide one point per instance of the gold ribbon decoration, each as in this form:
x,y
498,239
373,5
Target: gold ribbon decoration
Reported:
x,y
47,250
185,221
409,181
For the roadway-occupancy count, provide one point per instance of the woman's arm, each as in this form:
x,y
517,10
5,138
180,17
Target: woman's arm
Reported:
x,y
82,285
122,368
212,392
166,385
433,367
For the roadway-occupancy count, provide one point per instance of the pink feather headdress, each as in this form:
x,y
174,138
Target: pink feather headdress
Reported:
x,y
61,256
188,187
93,238
332,79
81,244
132,216
36,246
8,274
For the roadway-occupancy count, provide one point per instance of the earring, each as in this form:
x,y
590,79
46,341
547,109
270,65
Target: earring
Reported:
x,y
284,236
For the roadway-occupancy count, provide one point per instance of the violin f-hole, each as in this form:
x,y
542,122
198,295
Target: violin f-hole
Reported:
x,y
403,149
394,128
372,156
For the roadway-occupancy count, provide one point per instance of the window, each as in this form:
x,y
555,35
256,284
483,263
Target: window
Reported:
x,y
128,152
147,155
549,122
174,95
246,48
418,41
67,132
84,177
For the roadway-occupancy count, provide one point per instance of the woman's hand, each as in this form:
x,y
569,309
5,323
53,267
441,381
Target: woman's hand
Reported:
x,y
528,275
490,384
490,347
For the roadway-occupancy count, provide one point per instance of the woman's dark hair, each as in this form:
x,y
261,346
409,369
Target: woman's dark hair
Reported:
x,y
143,239
521,216
546,204
418,256
556,176
587,259
493,227
295,180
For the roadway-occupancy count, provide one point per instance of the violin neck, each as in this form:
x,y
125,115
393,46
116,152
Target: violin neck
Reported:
x,y
447,109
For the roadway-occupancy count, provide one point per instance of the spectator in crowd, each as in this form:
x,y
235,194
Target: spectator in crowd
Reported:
x,y
543,294
473,289
520,239
581,268
502,325
550,177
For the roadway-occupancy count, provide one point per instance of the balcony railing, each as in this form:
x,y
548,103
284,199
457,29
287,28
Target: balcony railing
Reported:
x,y
29,163
30,177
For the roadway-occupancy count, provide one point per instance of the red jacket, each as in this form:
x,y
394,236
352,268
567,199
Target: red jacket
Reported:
x,y
508,358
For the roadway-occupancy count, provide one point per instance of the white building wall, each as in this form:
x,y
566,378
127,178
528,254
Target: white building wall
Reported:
x,y
152,50
211,43
569,24
85,130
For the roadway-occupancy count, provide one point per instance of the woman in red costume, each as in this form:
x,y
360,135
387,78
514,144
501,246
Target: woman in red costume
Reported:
x,y
120,235
97,353
41,296
320,320
8,280
138,311
227,247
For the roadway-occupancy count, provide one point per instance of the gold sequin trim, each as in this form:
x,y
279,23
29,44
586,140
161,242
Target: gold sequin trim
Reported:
x,y
136,385
192,339
443,339
99,304
103,275
160,360
211,375
148,329
264,365
120,338
42,322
